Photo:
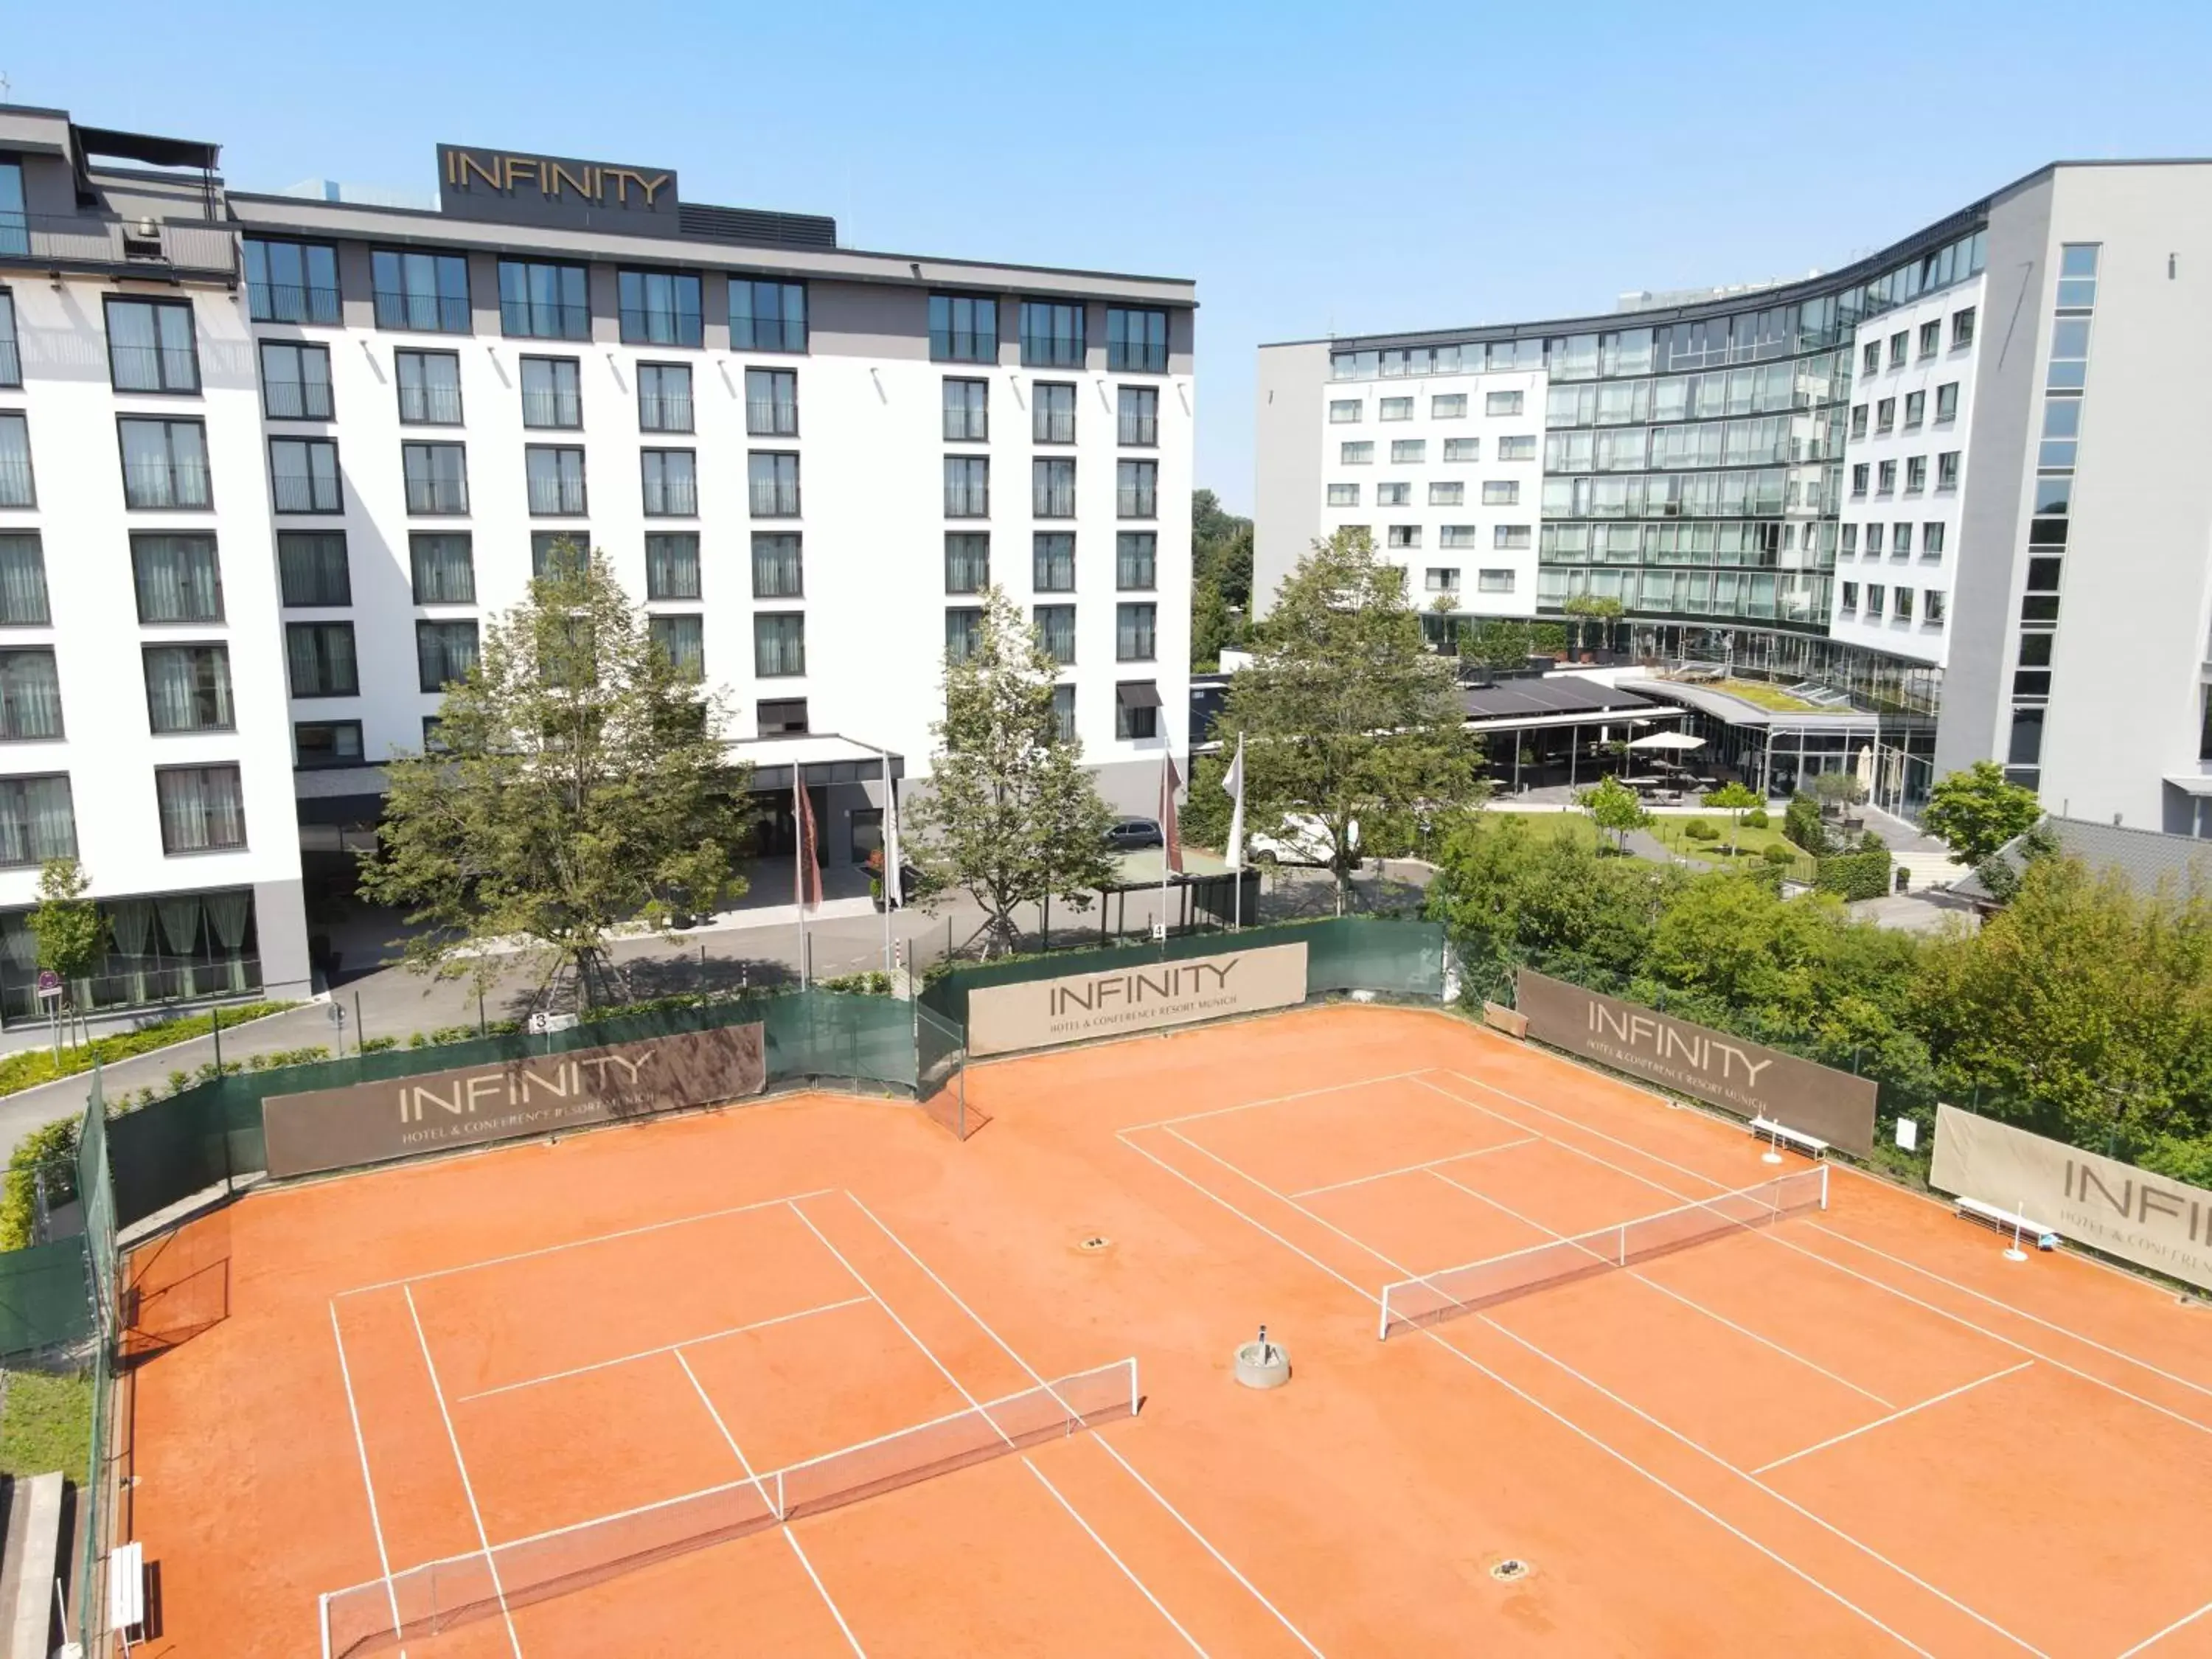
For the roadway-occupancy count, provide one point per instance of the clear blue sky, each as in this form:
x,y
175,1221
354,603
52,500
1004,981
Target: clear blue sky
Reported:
x,y
1315,167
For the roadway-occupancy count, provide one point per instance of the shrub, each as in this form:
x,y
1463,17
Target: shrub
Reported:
x,y
1698,829
378,1045
445,1034
30,1066
1756,818
1801,823
416,1040
1854,875
1778,854
19,1207
874,982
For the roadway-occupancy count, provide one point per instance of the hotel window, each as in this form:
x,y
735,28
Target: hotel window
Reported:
x,y
23,581
1901,605
1138,425
444,653
151,346
164,463
1394,408
444,567
778,566
202,808
37,820
1501,402
311,569
1136,489
1916,407
1501,494
1052,488
1394,494
1900,541
659,307
672,565
1056,629
1870,358
295,381
1885,416
1464,449
1344,494
967,561
1136,560
2069,356
427,293
664,400
1916,474
30,695
319,744
1441,579
1052,335
11,357
1947,470
1402,535
15,227
552,397
1408,452
1450,406
1052,412
1873,534
1515,449
771,402
1946,403
767,316
179,579
1359,453
1962,328
1457,535
1931,609
1931,539
1849,540
962,329
1849,603
684,639
1858,422
1454,493
558,553
781,717
671,482
2077,275
1136,341
967,412
1860,473
2039,600
967,486
292,281
1063,713
1885,478
1137,710
1898,342
778,644
430,387
437,478
1134,631
963,634
303,474
322,660
1052,562
1494,581
1931,338
555,477
539,301
1875,593
188,689
1511,536
1345,411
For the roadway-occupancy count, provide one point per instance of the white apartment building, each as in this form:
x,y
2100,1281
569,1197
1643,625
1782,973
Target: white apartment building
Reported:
x,y
268,464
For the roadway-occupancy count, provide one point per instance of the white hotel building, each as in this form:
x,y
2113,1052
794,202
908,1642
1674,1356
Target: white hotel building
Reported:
x,y
269,462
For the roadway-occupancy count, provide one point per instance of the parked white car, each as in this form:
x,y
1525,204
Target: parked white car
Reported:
x,y
1301,838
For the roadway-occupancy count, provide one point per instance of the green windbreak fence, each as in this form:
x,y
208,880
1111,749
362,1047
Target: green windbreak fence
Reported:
x,y
1343,953
44,1301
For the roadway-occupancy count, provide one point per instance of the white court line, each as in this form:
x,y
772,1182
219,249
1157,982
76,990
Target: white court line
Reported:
x,y
1143,1589
1411,1169
791,1538
1398,1267
1560,1418
577,1244
1103,1443
2156,1637
676,1348
1656,1422
469,1491
1274,1100
1641,1277
361,1445
1933,1400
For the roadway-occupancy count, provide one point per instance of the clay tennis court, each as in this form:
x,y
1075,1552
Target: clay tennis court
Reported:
x,y
890,1374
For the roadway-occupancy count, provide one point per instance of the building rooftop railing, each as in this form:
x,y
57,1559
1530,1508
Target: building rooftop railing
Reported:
x,y
83,240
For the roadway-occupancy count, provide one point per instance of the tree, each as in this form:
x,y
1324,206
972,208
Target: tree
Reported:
x,y
1348,718
1220,578
1614,808
1010,814
1585,607
70,931
1842,790
1975,812
1735,799
580,783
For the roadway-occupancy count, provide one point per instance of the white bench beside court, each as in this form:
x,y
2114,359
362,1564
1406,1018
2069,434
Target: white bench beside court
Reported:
x,y
1783,1134
2045,1235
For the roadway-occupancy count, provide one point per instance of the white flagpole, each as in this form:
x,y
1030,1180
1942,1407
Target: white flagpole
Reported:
x,y
1234,783
890,852
799,862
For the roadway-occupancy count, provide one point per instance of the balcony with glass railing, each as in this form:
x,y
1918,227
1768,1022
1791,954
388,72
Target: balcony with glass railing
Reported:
x,y
765,417
431,405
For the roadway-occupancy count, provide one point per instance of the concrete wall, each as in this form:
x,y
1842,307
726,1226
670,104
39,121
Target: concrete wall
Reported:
x,y
1287,500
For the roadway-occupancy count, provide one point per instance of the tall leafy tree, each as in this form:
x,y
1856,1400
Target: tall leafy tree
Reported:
x,y
1220,578
1975,811
1009,815
70,931
1348,717
1614,808
580,785
1735,799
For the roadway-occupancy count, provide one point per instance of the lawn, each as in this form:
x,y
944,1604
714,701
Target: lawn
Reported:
x,y
46,1424
1673,831
1761,695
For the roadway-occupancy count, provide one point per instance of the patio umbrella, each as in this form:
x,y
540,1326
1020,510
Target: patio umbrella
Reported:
x,y
1668,740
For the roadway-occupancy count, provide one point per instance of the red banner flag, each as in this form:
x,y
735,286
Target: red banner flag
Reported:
x,y
807,878
1170,831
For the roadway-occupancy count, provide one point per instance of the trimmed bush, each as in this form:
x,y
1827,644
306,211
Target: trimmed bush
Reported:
x,y
1854,875
1698,829
1778,856
1756,818
1801,823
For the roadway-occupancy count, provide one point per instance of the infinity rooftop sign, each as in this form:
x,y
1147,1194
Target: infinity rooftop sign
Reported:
x,y
519,187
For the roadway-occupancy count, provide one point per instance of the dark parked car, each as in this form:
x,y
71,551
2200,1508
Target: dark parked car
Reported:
x,y
1132,834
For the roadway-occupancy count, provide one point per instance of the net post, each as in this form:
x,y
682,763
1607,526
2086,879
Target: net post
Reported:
x,y
1623,1261
1132,1385
1824,1183
323,1616
1382,1317
780,1510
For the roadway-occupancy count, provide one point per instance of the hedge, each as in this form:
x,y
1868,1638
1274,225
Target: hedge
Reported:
x,y
1854,875
28,1067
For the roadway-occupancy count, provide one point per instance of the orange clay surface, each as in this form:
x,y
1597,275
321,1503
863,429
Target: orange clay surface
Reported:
x,y
1860,1431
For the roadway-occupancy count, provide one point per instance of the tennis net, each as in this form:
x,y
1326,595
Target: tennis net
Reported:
x,y
440,1595
1478,1284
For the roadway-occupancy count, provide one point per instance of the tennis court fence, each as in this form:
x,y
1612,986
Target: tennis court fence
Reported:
x,y
440,1595
1412,1303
